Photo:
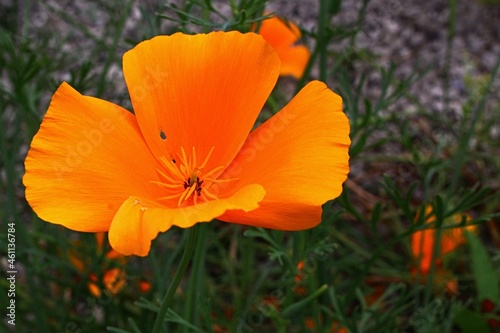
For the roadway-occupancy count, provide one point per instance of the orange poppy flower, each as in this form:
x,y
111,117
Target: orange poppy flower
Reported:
x,y
144,286
309,323
186,155
422,242
113,279
337,328
283,37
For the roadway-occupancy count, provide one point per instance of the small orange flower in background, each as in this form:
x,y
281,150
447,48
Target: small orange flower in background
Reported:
x,y
271,303
422,242
144,286
300,274
337,328
374,296
187,155
113,279
284,37
309,323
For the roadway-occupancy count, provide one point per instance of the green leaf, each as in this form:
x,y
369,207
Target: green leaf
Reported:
x,y
291,310
483,271
470,322
133,324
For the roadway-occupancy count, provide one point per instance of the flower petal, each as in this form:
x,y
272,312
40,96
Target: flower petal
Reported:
x,y
293,60
283,37
138,221
422,245
204,91
86,159
279,32
300,157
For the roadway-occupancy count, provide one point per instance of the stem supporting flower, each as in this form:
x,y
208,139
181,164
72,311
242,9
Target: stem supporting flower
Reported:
x,y
179,274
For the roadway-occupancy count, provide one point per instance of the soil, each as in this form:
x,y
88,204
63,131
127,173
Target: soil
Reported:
x,y
405,32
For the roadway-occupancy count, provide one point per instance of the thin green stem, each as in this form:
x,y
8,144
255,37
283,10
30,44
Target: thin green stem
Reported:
x,y
323,37
179,274
194,288
302,81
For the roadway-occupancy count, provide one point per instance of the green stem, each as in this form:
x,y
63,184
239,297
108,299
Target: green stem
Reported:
x,y
194,287
186,257
323,38
320,50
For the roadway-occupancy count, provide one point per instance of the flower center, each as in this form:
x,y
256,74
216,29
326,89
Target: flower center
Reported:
x,y
187,181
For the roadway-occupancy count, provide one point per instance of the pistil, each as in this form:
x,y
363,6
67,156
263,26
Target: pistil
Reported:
x,y
187,181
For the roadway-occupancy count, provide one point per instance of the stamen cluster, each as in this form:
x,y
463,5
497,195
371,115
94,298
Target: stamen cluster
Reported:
x,y
186,179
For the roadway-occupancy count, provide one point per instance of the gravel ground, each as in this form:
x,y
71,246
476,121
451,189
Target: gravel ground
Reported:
x,y
414,34
411,33
408,33
401,31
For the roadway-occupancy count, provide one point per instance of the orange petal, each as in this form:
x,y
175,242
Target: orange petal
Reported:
x,y
279,32
300,157
422,242
293,60
94,289
99,238
139,221
114,280
144,286
86,159
204,91
76,260
283,37
422,245
453,238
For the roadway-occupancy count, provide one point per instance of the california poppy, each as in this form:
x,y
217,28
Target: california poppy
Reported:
x,y
186,155
112,279
422,242
284,37
310,323
337,328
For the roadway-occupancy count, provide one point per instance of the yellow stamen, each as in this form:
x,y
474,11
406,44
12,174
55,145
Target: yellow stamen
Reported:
x,y
170,179
186,180
164,185
204,164
183,196
208,174
220,180
191,190
193,155
208,194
